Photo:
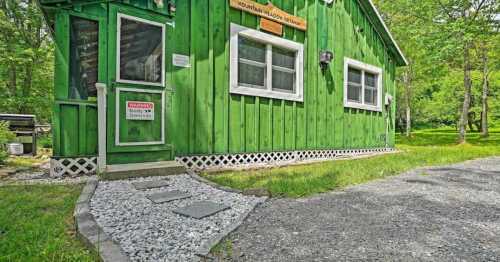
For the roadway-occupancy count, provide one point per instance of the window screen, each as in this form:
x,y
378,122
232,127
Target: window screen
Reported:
x,y
84,58
141,51
354,85
265,65
371,89
283,70
252,66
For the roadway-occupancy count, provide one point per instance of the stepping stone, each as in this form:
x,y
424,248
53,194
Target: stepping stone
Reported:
x,y
164,197
150,184
201,209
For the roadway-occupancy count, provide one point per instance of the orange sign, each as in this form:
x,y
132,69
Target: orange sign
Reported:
x,y
270,12
271,26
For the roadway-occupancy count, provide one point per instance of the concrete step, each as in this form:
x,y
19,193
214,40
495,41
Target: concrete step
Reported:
x,y
124,171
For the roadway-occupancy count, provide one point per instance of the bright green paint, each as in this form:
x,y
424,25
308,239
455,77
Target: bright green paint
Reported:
x,y
202,117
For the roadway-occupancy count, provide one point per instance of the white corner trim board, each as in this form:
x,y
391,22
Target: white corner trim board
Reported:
x,y
101,126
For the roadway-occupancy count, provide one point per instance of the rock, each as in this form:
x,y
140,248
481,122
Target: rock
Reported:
x,y
258,192
152,232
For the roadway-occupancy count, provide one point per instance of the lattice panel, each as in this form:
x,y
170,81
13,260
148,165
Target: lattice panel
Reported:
x,y
72,167
202,162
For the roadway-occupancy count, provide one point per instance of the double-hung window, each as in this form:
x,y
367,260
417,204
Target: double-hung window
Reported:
x,y
362,85
265,65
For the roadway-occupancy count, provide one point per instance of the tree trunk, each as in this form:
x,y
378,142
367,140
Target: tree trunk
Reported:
x,y
407,86
484,98
27,83
462,127
12,84
408,120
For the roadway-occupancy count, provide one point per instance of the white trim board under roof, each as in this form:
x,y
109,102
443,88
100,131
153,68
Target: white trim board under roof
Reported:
x,y
386,35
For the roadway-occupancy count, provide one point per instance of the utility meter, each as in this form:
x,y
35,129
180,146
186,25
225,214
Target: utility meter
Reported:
x,y
388,99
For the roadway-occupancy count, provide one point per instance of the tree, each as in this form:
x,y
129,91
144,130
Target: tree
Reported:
x,y
402,17
488,47
26,59
464,22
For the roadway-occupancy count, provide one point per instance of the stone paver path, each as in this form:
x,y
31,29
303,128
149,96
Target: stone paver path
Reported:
x,y
449,213
141,216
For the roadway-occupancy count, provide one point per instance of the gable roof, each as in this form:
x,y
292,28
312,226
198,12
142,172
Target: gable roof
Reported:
x,y
383,31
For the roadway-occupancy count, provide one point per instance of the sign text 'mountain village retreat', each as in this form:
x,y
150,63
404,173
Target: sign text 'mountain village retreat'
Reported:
x,y
270,12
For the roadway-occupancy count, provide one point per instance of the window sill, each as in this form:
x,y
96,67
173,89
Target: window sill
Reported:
x,y
362,106
266,93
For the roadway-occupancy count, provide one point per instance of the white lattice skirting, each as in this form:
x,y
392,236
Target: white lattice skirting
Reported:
x,y
232,161
72,167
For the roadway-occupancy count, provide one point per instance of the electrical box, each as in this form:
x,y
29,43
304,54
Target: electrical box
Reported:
x,y
388,99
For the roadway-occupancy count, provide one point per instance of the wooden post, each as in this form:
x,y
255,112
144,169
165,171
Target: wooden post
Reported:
x,y
101,126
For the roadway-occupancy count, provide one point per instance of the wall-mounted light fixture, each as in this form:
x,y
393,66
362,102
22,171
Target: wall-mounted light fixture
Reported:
x,y
325,58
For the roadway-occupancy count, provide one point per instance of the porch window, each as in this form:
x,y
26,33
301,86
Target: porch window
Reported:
x,y
83,58
265,65
362,85
140,51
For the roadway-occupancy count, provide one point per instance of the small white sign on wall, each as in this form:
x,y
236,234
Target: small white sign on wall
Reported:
x,y
180,60
140,111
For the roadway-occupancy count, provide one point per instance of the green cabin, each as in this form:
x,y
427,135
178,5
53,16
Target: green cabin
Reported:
x,y
219,82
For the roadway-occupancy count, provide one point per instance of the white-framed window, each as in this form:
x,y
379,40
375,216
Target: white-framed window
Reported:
x,y
140,49
265,65
362,85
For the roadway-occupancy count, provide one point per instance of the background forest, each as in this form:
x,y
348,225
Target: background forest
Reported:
x,y
453,47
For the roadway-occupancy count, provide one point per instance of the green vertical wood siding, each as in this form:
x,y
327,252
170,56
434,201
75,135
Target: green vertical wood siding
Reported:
x,y
220,122
202,116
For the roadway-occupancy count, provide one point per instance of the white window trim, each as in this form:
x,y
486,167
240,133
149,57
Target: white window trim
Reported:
x,y
348,62
236,31
118,40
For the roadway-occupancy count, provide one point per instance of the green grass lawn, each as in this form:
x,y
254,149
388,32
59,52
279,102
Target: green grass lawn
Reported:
x,y
425,148
36,224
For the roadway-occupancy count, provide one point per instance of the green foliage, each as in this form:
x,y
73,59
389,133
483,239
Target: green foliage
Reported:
x,y
432,33
26,60
45,141
5,137
425,148
36,224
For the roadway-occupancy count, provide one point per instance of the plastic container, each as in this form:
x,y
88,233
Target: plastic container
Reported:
x,y
16,149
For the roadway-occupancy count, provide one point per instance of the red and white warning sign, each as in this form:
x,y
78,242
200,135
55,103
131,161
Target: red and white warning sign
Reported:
x,y
140,110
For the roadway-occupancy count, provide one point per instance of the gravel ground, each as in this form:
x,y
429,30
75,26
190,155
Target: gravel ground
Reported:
x,y
449,213
34,177
152,232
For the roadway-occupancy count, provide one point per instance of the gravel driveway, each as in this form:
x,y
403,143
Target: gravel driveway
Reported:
x,y
449,213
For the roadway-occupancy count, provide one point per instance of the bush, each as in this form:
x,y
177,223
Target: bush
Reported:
x,y
5,137
45,141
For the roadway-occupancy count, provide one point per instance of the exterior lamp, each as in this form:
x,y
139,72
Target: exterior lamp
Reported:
x,y
325,58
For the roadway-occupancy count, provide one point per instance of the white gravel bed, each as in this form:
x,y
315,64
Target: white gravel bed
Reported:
x,y
42,178
152,232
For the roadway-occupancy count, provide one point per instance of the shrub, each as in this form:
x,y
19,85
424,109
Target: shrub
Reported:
x,y
45,141
5,137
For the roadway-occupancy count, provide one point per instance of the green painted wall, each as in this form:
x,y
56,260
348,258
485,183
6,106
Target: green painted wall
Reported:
x,y
202,117
208,119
